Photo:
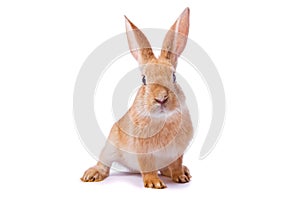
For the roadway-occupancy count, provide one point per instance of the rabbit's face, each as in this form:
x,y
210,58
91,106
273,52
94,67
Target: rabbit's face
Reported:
x,y
160,88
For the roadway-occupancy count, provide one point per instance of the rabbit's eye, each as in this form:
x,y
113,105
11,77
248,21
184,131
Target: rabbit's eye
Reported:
x,y
174,77
144,80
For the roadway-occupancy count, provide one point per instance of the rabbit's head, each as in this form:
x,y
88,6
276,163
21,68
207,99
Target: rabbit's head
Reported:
x,y
160,93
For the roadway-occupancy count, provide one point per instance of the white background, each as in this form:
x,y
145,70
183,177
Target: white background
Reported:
x,y
254,44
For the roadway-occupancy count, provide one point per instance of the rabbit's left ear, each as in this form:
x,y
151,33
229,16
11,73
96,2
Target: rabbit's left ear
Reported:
x,y
176,38
139,45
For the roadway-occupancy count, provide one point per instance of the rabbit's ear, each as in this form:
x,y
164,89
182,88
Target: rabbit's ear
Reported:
x,y
176,38
139,46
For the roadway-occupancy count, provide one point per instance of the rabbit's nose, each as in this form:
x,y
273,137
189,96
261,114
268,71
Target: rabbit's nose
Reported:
x,y
162,100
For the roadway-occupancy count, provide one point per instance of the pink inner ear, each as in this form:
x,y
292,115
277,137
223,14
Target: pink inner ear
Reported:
x,y
176,38
139,45
130,27
182,23
135,54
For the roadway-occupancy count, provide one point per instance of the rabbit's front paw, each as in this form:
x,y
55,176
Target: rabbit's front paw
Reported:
x,y
182,178
153,182
92,175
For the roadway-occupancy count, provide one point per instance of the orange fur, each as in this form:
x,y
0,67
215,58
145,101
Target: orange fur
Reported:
x,y
156,130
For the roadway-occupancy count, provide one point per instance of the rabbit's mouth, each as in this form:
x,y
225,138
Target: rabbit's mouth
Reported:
x,y
159,113
162,112
162,108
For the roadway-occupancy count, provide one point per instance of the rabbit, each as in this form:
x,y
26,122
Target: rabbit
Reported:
x,y
152,136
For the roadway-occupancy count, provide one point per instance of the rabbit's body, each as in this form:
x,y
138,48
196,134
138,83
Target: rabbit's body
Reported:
x,y
153,135
167,144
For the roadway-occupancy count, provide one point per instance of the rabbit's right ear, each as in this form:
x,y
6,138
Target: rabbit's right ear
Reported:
x,y
139,45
